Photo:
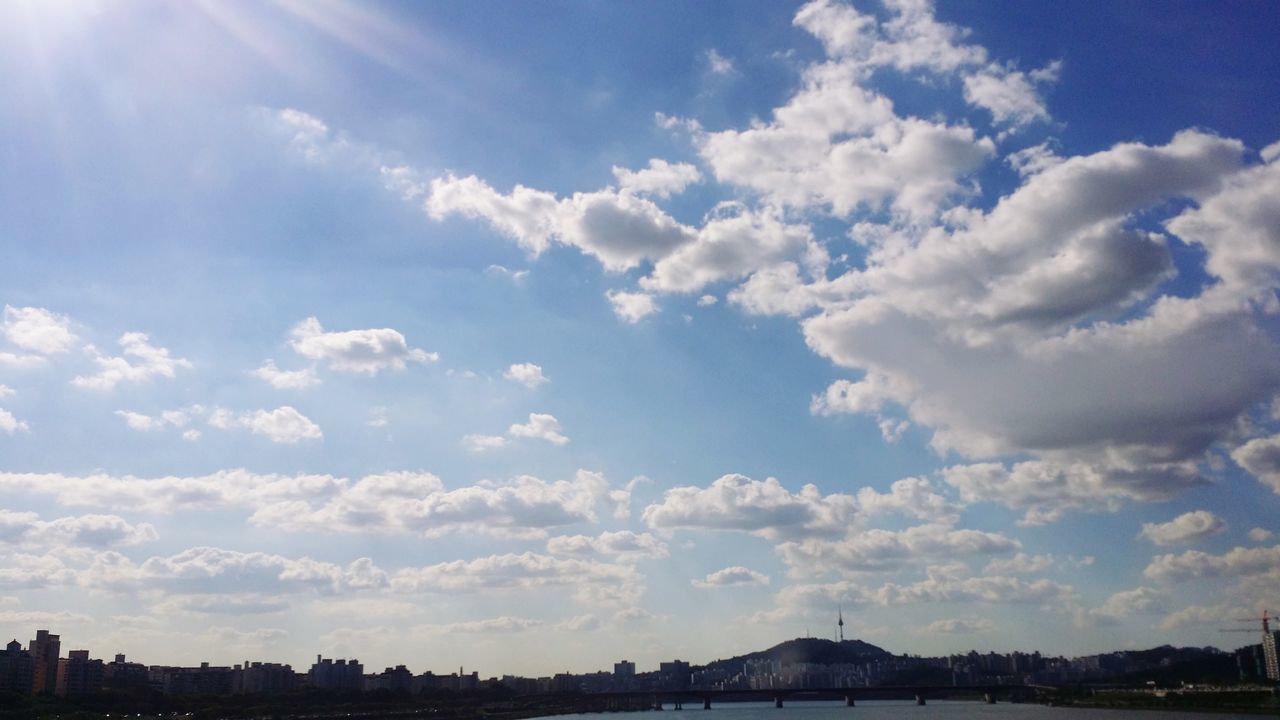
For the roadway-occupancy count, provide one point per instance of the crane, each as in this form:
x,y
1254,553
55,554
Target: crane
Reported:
x,y
1268,644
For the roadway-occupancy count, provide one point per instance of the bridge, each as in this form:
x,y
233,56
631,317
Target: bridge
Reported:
x,y
920,694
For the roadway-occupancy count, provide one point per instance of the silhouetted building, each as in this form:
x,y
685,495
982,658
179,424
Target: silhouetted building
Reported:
x,y
122,674
336,675
674,675
203,680
260,677
44,652
624,670
16,670
78,675
396,679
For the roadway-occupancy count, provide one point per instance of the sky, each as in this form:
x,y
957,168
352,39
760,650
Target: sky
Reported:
x,y
528,337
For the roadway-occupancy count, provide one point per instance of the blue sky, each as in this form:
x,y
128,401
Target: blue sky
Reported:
x,y
533,336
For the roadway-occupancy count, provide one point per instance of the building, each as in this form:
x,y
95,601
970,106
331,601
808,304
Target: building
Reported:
x,y
336,674
122,674
260,677
624,670
16,669
44,651
396,679
1269,660
78,675
203,680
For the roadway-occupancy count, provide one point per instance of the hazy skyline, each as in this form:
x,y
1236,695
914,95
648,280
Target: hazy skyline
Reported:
x,y
532,336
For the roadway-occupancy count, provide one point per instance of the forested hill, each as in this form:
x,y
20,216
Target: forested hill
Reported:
x,y
811,650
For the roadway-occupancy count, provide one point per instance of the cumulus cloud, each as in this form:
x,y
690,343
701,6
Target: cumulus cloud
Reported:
x,y
418,502
957,626
10,424
526,374
1260,534
285,379
761,507
178,418
736,575
139,361
1194,564
1186,528
37,330
660,179
504,624
592,582
1020,564
282,425
718,64
1009,94
1047,490
878,549
631,306
623,545
207,570
1261,458
541,426
220,490
357,351
481,443
27,529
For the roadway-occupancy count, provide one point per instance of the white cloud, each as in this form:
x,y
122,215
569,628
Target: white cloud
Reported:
x,y
592,582
1261,457
1260,534
623,545
992,589
282,425
525,507
139,361
1193,564
526,374
37,330
1186,528
1129,602
20,362
27,529
481,443
515,276
660,179
631,306
618,228
957,626
285,379
505,624
718,64
6,391
220,490
707,301
1020,564
358,351
910,496
579,623
1202,615
1011,95
177,418
11,424
1047,490
541,426
736,575
204,570
878,549
762,507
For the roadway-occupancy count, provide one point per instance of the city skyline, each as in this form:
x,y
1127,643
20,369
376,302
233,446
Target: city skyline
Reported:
x,y
537,334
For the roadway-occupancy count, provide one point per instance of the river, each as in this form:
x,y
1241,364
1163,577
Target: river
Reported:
x,y
905,710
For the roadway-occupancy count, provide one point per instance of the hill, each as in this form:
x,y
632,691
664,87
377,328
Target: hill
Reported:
x,y
810,650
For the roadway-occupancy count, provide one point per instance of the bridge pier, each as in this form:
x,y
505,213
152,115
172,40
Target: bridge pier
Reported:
x,y
848,700
777,701
706,703
919,699
989,698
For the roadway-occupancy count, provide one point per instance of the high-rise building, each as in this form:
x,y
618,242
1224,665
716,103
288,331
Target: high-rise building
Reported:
x,y
44,651
78,675
16,669
624,669
1269,652
340,674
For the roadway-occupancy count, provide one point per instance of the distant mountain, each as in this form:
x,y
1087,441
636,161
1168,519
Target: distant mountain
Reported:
x,y
811,650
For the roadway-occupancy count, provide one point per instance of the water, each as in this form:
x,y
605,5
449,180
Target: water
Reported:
x,y
904,710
